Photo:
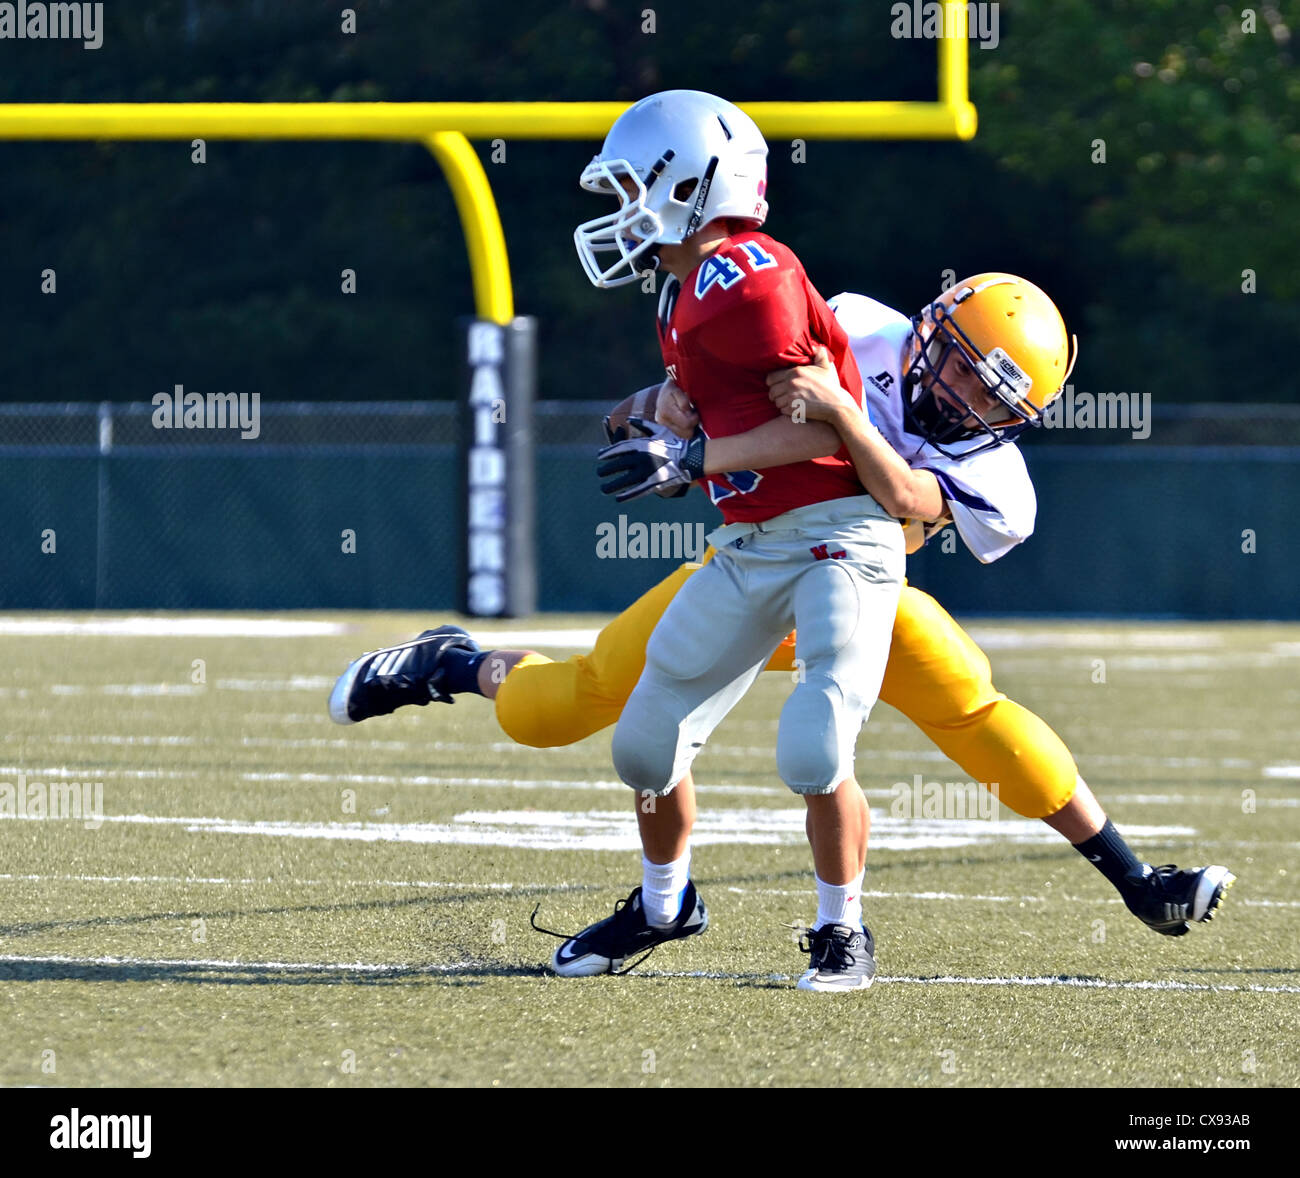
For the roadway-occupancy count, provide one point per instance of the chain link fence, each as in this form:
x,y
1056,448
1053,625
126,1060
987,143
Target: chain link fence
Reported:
x,y
257,505
361,506
120,506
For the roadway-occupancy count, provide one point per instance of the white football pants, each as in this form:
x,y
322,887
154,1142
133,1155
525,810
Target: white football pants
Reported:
x,y
832,571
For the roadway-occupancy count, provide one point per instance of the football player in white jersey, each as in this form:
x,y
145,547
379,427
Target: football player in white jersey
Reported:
x,y
986,489
945,392
945,431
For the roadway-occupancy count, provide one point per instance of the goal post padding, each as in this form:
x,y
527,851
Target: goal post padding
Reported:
x,y
497,445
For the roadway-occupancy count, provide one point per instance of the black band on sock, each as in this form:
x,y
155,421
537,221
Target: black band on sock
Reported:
x,y
459,670
1110,854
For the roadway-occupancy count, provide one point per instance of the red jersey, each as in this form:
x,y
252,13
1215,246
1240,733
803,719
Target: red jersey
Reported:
x,y
744,311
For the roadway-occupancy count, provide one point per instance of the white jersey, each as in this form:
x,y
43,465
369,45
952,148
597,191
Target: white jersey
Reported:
x,y
989,494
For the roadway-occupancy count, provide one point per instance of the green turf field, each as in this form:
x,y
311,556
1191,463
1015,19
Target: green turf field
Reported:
x,y
273,900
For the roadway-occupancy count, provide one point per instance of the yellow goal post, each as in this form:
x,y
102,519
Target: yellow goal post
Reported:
x,y
445,128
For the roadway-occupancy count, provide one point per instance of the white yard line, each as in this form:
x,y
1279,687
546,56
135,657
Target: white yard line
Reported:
x,y
808,893
497,782
1091,984
910,756
62,771
723,788
1066,982
172,626
227,881
110,738
133,689
1193,800
874,895
740,789
311,683
364,967
1013,638
371,968
501,639
615,830
498,886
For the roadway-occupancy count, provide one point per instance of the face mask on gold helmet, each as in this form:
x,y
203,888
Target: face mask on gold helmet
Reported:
x,y
1010,334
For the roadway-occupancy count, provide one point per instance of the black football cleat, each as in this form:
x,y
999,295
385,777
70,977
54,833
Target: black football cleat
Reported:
x,y
1170,899
605,946
381,681
842,959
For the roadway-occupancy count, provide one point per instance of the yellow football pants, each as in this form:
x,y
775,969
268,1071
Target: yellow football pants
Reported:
x,y
936,676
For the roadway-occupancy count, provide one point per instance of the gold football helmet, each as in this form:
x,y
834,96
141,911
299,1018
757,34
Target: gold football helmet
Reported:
x,y
996,331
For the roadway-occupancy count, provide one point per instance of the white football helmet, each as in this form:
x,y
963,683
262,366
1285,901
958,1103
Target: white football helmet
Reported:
x,y
691,157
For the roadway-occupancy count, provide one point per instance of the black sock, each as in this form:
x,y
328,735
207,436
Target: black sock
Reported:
x,y
459,670
1109,853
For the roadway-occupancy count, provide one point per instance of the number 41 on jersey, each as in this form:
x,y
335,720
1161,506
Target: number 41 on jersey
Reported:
x,y
725,272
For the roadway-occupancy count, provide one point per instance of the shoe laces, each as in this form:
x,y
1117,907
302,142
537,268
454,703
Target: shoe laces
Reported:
x,y
623,914
827,947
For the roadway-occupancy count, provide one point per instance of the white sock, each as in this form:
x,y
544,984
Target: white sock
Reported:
x,y
662,887
839,903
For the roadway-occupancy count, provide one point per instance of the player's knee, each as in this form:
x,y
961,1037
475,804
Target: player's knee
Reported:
x,y
641,761
816,737
645,747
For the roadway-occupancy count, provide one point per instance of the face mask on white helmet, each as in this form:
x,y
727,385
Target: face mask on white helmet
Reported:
x,y
675,161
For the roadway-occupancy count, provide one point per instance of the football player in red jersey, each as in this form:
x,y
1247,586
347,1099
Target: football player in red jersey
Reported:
x,y
936,675
802,544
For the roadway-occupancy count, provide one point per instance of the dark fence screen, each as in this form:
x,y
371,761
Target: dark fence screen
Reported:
x,y
357,506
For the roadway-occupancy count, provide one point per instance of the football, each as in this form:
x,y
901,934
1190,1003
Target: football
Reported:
x,y
643,403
